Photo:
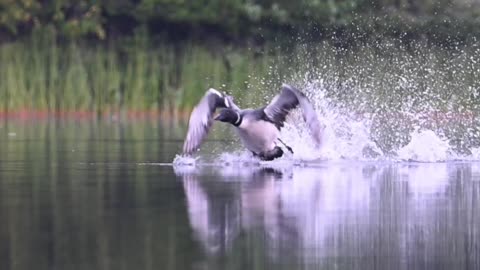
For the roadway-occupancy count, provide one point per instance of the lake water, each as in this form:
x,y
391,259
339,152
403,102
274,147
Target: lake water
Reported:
x,y
104,195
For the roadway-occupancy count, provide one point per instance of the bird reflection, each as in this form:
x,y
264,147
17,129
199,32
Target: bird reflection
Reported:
x,y
341,212
219,210
281,204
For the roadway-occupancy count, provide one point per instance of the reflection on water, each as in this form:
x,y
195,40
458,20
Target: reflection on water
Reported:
x,y
91,196
72,196
350,216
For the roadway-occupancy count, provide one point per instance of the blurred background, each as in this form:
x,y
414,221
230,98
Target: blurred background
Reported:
x,y
94,95
159,56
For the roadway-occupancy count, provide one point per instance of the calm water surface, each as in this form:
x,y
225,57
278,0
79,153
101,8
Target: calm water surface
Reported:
x,y
91,195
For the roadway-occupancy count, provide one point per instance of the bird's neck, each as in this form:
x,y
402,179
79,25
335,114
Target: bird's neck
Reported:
x,y
238,120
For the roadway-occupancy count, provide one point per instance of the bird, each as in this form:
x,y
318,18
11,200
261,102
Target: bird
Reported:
x,y
201,118
258,129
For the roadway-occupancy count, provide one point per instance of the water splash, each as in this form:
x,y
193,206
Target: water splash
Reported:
x,y
380,102
372,136
181,160
425,146
393,105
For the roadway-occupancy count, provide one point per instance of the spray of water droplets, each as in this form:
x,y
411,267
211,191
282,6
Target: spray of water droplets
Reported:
x,y
383,102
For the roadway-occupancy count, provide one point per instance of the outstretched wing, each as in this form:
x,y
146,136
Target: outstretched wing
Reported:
x,y
309,115
278,109
201,119
288,99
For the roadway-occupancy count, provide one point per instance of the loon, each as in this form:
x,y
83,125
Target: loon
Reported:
x,y
258,129
201,118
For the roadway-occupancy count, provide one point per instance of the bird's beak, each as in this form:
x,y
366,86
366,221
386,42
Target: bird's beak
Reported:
x,y
220,117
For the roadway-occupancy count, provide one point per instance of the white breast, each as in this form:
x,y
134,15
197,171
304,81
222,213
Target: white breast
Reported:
x,y
258,136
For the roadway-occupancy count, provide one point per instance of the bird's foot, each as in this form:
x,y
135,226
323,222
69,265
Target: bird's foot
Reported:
x,y
288,147
272,154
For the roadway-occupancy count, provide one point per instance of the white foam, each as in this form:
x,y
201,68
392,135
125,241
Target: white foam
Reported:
x,y
425,146
240,157
475,153
180,160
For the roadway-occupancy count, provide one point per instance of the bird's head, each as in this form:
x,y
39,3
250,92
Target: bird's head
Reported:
x,y
229,116
221,99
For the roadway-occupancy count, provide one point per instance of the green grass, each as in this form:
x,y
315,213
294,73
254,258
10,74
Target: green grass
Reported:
x,y
39,74
142,74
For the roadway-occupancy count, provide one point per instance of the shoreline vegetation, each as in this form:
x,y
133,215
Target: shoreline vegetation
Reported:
x,y
27,114
157,57
245,22
132,75
140,75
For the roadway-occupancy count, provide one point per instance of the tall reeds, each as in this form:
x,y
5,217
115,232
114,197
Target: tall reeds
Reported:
x,y
42,74
150,75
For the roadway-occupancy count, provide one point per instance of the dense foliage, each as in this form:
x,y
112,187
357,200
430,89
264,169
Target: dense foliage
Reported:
x,y
235,19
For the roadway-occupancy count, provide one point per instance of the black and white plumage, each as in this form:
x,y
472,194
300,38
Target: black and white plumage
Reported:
x,y
259,129
288,99
201,118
